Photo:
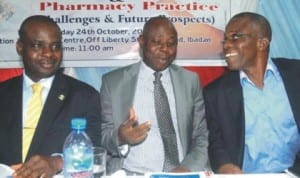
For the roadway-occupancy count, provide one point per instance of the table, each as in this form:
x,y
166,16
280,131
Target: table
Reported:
x,y
228,176
204,175
214,176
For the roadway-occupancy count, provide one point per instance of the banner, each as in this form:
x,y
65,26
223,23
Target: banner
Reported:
x,y
105,32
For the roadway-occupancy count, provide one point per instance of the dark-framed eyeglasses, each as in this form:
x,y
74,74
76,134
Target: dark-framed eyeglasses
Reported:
x,y
236,36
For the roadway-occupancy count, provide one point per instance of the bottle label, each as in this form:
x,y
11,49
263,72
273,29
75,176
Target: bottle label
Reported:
x,y
78,162
83,174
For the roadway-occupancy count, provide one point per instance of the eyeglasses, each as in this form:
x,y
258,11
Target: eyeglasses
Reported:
x,y
236,36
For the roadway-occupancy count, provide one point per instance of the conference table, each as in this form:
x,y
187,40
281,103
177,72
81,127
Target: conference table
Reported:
x,y
220,176
211,176
281,175
202,175
6,171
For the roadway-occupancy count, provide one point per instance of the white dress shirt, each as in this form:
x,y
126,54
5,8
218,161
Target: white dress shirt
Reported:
x,y
149,155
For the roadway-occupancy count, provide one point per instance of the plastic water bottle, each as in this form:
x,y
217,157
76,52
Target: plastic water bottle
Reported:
x,y
78,151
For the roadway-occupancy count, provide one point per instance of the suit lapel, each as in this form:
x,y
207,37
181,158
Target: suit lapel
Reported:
x,y
130,81
15,121
233,93
128,87
234,96
290,73
57,96
179,94
178,90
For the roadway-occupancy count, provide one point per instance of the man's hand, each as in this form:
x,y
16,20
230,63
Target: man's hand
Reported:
x,y
229,169
38,166
131,132
181,169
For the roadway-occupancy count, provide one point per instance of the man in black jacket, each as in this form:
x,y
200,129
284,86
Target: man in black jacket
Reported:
x,y
253,111
63,98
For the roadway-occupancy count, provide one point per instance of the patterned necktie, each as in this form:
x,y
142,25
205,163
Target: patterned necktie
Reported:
x,y
165,124
32,117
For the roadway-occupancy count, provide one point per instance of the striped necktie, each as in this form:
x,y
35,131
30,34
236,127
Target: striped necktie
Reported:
x,y
32,117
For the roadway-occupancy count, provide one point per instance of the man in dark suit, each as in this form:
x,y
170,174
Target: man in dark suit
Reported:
x,y
40,46
253,111
133,138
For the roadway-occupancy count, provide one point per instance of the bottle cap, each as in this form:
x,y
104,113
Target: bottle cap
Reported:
x,y
78,123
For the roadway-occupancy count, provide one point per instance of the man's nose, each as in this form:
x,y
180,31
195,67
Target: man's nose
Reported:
x,y
164,46
47,51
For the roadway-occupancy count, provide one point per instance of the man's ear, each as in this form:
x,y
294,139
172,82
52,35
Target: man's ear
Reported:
x,y
263,43
19,47
141,40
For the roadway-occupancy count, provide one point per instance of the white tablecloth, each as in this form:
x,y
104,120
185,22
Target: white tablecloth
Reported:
x,y
121,174
228,176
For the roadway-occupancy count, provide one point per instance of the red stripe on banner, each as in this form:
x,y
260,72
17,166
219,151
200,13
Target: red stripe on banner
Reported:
x,y
9,73
207,74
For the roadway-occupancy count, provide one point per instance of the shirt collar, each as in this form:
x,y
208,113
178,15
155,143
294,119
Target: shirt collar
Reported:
x,y
46,82
148,72
271,70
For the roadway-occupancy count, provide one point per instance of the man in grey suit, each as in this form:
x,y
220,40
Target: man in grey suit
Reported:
x,y
130,130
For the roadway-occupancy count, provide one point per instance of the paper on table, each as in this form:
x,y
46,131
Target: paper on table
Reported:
x,y
211,175
293,172
5,171
118,174
178,175
281,175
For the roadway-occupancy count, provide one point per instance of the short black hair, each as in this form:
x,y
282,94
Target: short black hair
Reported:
x,y
155,18
35,18
258,20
